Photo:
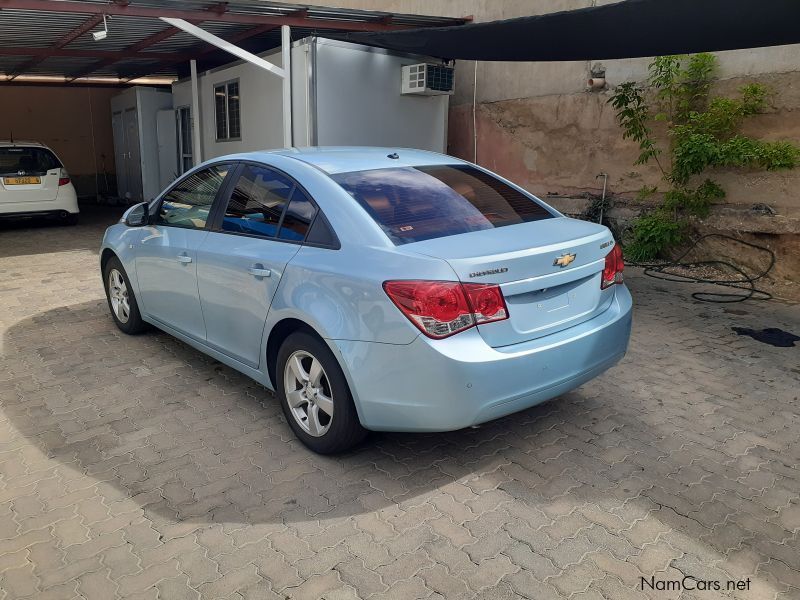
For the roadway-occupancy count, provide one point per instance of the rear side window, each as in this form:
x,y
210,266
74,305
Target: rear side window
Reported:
x,y
27,161
257,202
412,204
298,217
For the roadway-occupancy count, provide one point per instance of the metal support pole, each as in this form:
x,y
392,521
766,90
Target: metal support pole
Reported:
x,y
197,150
475,115
286,65
284,71
214,40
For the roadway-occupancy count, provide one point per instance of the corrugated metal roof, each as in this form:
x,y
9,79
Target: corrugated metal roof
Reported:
x,y
59,64
123,32
35,29
61,42
182,41
13,61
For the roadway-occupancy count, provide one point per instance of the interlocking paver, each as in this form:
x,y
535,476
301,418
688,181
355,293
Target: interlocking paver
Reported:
x,y
404,567
231,582
96,585
18,582
274,567
365,580
138,468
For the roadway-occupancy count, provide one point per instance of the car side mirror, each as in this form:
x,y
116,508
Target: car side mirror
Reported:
x,y
137,215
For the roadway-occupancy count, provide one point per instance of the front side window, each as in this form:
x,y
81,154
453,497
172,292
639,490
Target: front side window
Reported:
x,y
188,204
227,111
257,202
20,160
412,204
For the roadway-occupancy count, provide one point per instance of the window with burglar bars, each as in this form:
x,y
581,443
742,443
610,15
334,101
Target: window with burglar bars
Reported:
x,y
227,111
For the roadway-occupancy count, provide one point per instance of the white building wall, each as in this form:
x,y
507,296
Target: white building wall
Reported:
x,y
261,107
359,101
354,100
150,102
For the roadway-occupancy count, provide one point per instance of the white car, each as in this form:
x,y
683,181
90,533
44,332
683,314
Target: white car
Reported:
x,y
33,182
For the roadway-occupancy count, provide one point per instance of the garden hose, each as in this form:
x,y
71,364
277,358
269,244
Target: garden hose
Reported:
x,y
746,283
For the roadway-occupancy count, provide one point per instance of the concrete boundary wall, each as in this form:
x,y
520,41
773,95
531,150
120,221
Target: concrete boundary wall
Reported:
x,y
75,121
538,125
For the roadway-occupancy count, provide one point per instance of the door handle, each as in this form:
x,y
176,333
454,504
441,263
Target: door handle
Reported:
x,y
259,271
183,258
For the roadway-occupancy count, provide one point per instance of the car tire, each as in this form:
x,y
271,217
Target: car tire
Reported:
x,y
71,219
121,299
307,392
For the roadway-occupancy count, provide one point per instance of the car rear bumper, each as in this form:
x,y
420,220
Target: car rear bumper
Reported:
x,y
443,385
56,214
64,203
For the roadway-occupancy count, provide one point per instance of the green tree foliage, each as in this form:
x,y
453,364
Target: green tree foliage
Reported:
x,y
703,133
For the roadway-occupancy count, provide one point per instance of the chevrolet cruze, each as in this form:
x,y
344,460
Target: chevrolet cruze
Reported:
x,y
372,288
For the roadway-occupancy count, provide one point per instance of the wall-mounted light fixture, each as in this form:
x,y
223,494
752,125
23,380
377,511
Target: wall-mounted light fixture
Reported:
x,y
101,35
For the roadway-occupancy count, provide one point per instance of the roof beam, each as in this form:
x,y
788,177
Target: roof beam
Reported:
x,y
87,25
227,46
114,55
136,48
234,39
219,8
241,36
152,40
132,10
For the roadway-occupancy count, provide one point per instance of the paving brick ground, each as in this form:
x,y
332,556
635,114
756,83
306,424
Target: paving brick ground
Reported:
x,y
139,468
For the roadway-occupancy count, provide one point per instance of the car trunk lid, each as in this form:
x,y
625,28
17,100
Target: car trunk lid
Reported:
x,y
549,272
30,187
28,173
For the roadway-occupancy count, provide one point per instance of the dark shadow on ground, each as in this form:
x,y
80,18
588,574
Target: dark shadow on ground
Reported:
x,y
158,415
40,235
193,441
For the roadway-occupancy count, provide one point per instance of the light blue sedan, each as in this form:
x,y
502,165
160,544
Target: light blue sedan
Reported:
x,y
372,288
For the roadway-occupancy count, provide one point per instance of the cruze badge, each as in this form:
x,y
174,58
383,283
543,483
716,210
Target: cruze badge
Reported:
x,y
564,260
488,272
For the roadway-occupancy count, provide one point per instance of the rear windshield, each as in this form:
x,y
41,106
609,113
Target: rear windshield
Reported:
x,y
27,161
412,204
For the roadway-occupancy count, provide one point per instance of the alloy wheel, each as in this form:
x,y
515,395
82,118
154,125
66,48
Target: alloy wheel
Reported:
x,y
308,393
118,295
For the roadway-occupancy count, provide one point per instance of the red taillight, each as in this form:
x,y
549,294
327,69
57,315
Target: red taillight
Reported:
x,y
612,272
442,308
63,181
487,302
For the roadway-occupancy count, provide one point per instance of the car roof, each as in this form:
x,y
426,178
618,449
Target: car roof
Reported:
x,y
344,159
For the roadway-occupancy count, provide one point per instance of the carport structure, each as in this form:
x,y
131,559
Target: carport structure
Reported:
x,y
51,40
147,42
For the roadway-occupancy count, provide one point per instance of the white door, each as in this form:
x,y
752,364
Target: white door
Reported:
x,y
134,192
167,148
183,127
120,153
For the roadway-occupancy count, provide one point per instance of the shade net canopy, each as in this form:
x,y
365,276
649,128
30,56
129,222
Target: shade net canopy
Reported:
x,y
628,29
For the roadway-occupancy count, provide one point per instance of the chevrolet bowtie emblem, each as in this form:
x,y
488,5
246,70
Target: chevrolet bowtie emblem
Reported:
x,y
564,260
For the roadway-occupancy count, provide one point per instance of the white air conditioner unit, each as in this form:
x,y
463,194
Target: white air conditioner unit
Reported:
x,y
427,79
